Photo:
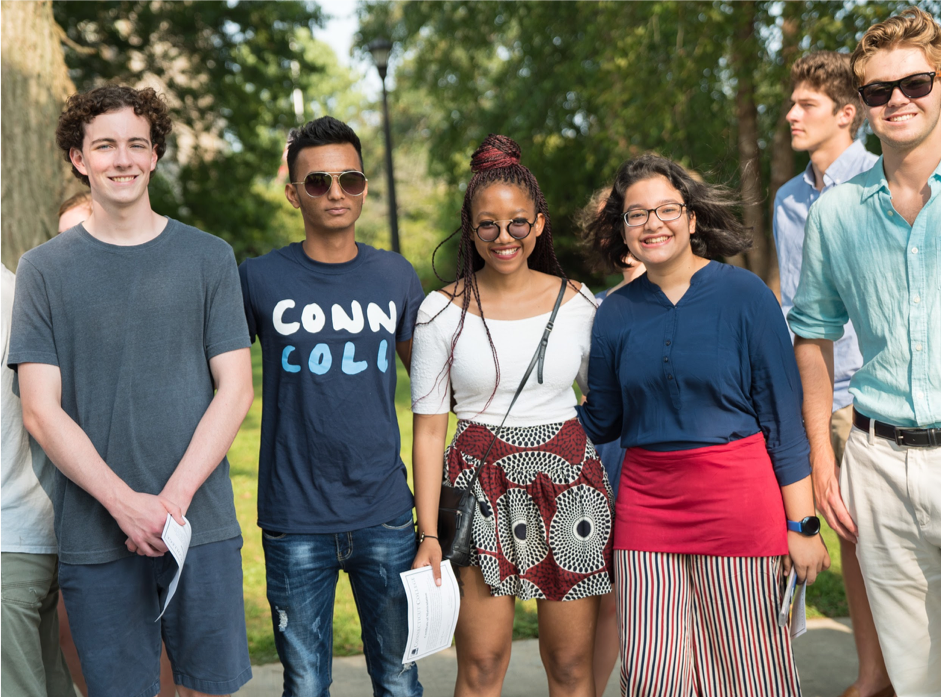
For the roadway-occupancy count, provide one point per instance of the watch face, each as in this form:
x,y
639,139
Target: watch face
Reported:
x,y
810,525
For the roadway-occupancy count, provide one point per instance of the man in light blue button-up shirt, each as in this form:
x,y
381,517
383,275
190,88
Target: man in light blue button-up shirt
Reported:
x,y
872,255
824,116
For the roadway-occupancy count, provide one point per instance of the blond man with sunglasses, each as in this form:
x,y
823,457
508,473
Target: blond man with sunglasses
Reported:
x,y
872,255
331,314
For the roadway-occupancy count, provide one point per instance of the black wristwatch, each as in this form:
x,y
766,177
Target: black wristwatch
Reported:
x,y
808,527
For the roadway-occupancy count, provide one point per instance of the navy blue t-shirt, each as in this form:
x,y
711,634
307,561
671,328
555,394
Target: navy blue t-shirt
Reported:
x,y
329,459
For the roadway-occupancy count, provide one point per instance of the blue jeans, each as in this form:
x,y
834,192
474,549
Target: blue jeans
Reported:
x,y
302,573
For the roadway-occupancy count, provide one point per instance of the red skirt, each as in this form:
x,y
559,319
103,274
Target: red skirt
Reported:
x,y
543,526
721,500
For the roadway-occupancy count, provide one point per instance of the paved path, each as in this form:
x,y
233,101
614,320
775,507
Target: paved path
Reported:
x,y
826,659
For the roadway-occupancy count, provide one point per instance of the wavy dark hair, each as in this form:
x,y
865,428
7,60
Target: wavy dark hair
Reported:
x,y
82,108
719,232
496,161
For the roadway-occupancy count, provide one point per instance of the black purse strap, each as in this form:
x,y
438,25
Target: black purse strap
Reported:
x,y
539,359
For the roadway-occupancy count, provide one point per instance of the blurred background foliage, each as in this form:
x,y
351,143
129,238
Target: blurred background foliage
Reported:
x,y
584,86
581,87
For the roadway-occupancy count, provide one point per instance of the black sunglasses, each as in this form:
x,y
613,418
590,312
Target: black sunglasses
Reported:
x,y
912,86
316,184
489,230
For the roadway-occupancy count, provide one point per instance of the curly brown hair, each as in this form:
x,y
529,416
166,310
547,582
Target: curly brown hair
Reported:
x,y
82,108
719,232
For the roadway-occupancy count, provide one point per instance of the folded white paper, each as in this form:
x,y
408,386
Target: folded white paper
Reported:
x,y
177,539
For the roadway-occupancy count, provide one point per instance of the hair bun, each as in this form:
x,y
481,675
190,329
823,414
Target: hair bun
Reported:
x,y
495,152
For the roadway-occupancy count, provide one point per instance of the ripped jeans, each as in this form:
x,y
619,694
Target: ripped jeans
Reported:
x,y
302,572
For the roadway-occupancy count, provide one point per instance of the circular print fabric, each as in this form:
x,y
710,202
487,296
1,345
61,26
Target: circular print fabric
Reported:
x,y
543,525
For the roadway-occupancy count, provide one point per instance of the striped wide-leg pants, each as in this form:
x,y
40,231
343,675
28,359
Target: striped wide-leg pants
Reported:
x,y
700,626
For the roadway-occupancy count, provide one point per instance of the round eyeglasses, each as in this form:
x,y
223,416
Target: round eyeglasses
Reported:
x,y
489,230
636,217
316,184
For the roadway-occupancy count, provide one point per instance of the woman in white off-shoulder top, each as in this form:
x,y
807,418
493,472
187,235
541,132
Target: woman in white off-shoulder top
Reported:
x,y
543,524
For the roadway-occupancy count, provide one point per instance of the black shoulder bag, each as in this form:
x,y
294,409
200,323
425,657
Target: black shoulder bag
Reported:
x,y
456,506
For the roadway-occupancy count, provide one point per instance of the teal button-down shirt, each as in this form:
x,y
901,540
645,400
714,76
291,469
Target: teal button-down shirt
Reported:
x,y
863,262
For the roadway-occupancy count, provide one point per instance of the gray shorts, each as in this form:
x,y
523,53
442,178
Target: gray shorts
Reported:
x,y
112,608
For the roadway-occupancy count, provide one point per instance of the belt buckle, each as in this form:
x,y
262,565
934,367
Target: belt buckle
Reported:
x,y
899,436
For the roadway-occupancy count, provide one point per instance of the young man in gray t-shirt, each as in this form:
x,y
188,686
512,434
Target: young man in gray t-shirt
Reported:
x,y
132,351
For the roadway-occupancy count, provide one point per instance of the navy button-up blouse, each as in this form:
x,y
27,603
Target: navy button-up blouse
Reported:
x,y
716,367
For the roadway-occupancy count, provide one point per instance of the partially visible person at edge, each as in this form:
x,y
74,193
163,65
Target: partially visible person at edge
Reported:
x,y
32,664
872,256
611,453
75,210
692,368
135,374
824,117
331,314
542,528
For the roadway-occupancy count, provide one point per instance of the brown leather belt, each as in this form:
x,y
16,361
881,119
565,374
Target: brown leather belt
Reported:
x,y
910,437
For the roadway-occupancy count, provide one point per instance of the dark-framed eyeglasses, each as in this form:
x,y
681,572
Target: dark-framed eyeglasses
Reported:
x,y
316,184
912,86
636,217
489,230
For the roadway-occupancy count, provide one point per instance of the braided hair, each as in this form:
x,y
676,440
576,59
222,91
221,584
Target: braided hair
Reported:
x,y
496,161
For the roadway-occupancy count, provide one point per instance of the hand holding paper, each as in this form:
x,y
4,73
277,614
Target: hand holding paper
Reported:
x,y
177,539
432,611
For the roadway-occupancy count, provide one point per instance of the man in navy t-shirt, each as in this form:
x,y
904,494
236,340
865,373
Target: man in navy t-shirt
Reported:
x,y
332,489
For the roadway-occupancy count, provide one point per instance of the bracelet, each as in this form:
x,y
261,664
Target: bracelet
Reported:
x,y
422,536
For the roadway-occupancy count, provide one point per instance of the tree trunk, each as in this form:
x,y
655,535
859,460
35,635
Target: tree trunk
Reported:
x,y
33,88
782,157
760,258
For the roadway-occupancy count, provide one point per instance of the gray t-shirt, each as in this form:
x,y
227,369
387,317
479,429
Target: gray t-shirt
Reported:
x,y
132,330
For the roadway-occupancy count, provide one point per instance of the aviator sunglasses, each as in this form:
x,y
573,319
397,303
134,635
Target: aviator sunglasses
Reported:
x,y
489,230
912,86
316,184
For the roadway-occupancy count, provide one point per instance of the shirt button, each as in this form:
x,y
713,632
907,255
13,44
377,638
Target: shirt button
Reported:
x,y
914,250
668,343
669,377
919,394
666,360
917,299
890,213
918,347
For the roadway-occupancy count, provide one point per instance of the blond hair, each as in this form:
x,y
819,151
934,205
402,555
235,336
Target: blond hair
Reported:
x,y
80,199
912,28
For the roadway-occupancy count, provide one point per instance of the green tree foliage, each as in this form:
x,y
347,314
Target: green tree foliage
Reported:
x,y
584,86
228,70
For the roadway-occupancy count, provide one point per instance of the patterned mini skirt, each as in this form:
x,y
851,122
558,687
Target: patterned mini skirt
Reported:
x,y
543,527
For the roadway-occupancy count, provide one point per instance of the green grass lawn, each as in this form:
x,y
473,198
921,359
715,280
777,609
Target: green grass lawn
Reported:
x,y
824,599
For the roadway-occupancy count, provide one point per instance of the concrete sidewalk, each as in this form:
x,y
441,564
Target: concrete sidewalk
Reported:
x,y
826,660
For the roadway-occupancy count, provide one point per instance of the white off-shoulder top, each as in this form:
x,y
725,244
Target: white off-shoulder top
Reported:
x,y
473,373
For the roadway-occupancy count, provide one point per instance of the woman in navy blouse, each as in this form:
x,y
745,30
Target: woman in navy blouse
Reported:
x,y
692,369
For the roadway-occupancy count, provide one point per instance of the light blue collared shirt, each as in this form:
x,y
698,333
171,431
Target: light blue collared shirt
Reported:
x,y
790,214
862,261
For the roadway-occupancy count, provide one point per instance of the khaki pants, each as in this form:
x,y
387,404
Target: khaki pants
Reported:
x,y
841,423
894,495
32,662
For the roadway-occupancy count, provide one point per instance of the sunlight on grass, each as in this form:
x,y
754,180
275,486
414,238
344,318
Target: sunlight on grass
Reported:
x,y
824,599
